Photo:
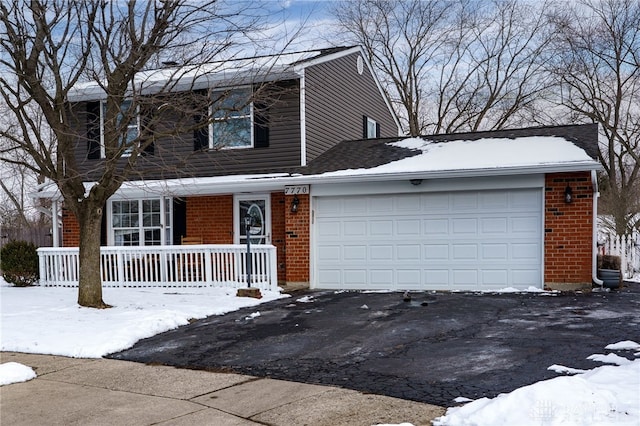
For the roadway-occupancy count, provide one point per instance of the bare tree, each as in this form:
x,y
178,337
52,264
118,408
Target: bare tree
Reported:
x,y
50,48
453,66
597,69
402,40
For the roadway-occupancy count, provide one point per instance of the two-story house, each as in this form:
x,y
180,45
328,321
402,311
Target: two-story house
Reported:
x,y
319,168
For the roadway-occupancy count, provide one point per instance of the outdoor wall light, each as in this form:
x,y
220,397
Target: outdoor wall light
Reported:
x,y
415,182
294,204
568,195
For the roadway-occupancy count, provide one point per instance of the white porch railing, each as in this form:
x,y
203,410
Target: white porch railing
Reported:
x,y
165,266
625,246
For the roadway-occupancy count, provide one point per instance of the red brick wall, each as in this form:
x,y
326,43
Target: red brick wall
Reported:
x,y
568,233
70,229
297,240
278,207
211,218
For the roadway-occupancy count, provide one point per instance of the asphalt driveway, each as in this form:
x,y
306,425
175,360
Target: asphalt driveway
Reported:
x,y
434,348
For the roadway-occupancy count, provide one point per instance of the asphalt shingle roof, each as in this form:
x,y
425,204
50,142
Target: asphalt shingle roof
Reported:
x,y
368,153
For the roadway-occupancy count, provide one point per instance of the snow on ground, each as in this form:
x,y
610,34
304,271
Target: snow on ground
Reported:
x,y
13,372
48,321
606,395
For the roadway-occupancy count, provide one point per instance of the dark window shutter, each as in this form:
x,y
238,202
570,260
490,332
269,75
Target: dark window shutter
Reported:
x,y
364,127
260,126
146,120
200,119
201,133
377,130
93,130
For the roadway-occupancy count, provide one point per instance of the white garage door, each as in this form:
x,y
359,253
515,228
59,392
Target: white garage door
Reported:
x,y
478,240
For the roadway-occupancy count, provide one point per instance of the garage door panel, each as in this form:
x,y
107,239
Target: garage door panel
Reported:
x,y
405,204
465,240
525,251
436,252
465,277
378,228
466,226
355,253
381,252
381,278
494,225
436,278
495,278
330,253
495,251
493,201
465,252
436,227
462,202
525,277
409,278
408,252
357,278
332,278
525,225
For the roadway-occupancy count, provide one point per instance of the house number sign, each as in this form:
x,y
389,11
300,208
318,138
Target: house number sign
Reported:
x,y
296,190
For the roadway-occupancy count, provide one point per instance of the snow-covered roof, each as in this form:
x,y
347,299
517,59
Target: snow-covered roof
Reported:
x,y
488,154
228,72
500,153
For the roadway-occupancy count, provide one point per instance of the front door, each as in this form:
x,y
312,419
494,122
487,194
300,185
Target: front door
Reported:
x,y
258,208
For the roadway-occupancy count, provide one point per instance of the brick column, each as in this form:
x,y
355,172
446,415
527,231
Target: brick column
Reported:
x,y
568,233
297,227
70,229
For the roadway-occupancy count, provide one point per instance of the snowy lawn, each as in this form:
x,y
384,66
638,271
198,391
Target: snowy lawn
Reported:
x,y
48,321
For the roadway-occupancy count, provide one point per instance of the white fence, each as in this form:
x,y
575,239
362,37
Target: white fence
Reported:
x,y
166,266
625,246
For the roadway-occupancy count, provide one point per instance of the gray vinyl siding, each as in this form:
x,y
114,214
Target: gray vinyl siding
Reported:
x,y
174,156
336,98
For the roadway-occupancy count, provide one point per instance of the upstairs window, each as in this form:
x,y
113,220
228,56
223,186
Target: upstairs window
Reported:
x,y
370,128
133,126
96,112
236,122
232,121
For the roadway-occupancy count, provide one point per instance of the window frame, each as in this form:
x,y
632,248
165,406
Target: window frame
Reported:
x,y
371,125
103,106
250,116
165,226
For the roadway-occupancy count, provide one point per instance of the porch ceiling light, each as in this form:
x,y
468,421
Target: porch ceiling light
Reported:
x,y
294,204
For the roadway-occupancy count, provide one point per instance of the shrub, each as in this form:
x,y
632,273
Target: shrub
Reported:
x,y
19,263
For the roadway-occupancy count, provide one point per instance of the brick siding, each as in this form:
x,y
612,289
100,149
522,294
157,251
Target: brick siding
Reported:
x,y
297,240
70,229
568,233
210,217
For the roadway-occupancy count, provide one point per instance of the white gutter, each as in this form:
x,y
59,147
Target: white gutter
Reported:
x,y
594,249
275,181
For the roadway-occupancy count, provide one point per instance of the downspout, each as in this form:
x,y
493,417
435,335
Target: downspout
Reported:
x,y
594,250
303,120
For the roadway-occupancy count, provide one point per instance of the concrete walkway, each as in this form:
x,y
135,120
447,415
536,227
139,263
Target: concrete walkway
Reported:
x,y
70,391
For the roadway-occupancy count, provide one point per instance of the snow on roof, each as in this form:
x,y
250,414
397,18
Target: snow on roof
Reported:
x,y
228,72
481,154
454,158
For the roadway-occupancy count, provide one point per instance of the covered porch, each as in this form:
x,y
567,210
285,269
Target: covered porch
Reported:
x,y
203,265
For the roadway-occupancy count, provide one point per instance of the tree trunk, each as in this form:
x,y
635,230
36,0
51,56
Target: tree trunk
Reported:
x,y
90,281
